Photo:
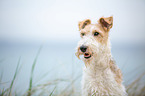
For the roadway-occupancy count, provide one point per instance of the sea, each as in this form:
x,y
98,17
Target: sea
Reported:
x,y
57,61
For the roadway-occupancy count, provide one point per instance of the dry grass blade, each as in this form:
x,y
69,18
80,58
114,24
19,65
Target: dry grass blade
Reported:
x,y
1,76
137,80
142,92
134,89
71,83
52,91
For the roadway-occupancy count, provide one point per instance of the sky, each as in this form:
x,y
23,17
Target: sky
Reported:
x,y
57,20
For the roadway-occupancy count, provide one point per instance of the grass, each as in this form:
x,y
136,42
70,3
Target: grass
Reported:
x,y
9,90
32,73
16,72
136,88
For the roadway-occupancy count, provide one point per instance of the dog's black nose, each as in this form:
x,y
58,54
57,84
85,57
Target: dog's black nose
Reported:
x,y
83,48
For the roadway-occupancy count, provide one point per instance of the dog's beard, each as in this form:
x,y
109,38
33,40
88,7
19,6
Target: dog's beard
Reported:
x,y
99,52
94,49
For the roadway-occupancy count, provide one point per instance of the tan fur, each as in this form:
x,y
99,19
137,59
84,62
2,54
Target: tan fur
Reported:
x,y
101,76
116,71
83,23
107,23
102,38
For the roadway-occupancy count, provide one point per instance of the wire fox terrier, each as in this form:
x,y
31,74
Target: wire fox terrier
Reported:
x,y
101,76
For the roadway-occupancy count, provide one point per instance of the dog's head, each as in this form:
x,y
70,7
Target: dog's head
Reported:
x,y
94,38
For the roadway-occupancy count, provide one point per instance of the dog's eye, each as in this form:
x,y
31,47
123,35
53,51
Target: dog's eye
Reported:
x,y
96,34
83,34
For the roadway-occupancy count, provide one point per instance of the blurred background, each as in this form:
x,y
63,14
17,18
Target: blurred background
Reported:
x,y
38,40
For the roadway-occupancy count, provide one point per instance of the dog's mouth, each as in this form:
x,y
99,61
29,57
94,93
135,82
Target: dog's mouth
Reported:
x,y
87,55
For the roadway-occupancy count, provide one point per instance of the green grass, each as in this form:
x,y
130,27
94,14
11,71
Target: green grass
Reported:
x,y
9,90
51,87
32,73
16,72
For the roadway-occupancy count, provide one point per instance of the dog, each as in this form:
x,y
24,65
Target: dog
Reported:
x,y
101,76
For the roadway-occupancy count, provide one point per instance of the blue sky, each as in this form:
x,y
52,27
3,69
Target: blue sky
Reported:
x,y
57,20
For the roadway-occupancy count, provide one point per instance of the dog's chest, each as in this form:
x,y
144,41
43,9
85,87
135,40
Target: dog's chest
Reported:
x,y
99,78
100,82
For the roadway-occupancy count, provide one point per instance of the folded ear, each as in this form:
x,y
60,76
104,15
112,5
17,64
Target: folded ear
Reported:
x,y
82,24
106,23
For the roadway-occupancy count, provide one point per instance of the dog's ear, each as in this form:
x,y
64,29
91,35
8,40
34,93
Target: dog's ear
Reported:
x,y
82,24
106,23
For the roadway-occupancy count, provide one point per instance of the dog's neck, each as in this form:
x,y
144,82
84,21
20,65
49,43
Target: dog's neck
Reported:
x,y
101,61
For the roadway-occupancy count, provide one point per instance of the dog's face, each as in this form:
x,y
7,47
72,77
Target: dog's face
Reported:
x,y
94,38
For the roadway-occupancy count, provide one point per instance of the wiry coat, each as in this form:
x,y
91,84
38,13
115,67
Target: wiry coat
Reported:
x,y
101,76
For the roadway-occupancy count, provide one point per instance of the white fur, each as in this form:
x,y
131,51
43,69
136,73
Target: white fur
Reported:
x,y
98,79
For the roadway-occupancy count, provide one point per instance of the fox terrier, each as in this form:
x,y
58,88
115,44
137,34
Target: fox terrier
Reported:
x,y
101,76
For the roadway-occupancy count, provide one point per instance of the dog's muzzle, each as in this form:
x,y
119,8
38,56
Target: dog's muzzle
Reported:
x,y
84,50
